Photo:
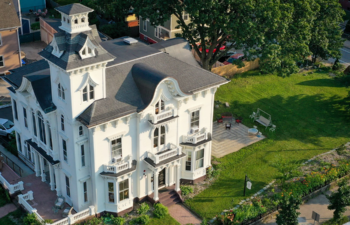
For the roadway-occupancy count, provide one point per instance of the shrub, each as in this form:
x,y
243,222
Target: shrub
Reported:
x,y
342,221
35,26
160,211
185,190
93,221
212,172
11,145
144,219
341,150
118,220
144,208
30,219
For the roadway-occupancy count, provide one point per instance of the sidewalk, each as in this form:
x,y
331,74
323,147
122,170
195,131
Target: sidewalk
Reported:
x,y
318,204
6,209
26,170
183,215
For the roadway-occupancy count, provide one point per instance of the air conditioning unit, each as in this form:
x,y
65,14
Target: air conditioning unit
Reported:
x,y
116,159
194,130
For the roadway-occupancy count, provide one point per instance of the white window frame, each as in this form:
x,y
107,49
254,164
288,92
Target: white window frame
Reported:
x,y
67,186
110,192
113,151
62,122
160,105
199,116
64,150
199,159
61,93
81,131
15,109
190,162
25,117
85,192
3,61
183,16
83,155
89,89
122,191
49,133
159,137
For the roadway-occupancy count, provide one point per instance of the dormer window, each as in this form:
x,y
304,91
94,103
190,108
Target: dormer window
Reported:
x,y
64,19
76,21
84,52
159,106
89,50
83,20
88,93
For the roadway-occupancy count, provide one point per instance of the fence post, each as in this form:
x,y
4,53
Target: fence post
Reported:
x,y
70,219
21,185
92,210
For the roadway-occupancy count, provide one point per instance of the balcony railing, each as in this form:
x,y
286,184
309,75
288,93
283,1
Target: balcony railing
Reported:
x,y
195,138
160,156
161,116
118,166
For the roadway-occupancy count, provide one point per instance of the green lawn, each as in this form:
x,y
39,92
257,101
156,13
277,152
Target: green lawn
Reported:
x,y
168,220
309,114
18,214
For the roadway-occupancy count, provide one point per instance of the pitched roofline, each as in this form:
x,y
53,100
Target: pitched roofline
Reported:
x,y
135,59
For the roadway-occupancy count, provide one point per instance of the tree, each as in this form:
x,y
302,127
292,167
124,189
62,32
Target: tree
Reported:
x,y
288,214
326,37
339,200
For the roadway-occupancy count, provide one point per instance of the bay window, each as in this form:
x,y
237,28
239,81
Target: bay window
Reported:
x,y
124,190
200,159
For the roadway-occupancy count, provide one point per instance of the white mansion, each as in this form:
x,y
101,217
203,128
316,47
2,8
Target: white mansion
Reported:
x,y
107,123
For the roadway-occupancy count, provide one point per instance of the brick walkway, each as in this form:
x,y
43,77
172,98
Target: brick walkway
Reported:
x,y
183,215
228,141
6,209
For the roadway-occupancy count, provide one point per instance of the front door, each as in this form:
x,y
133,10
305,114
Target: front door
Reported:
x,y
161,180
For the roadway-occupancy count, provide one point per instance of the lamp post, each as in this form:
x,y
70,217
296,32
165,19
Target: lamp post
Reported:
x,y
246,180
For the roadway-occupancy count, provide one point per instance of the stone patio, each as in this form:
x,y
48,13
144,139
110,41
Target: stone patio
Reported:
x,y
225,141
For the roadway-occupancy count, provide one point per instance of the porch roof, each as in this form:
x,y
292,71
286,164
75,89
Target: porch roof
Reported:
x,y
42,152
132,169
152,163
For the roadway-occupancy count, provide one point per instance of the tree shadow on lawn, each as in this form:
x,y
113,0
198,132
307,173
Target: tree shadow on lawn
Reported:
x,y
305,118
322,83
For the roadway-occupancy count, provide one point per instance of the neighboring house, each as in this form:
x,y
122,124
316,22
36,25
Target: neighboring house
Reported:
x,y
153,34
27,5
109,123
10,56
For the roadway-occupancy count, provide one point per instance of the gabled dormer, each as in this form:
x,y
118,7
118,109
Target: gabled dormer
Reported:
x,y
56,51
74,18
88,49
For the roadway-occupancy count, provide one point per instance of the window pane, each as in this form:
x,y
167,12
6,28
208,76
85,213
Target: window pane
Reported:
x,y
63,95
162,105
85,97
91,92
110,187
34,124
59,90
126,184
121,186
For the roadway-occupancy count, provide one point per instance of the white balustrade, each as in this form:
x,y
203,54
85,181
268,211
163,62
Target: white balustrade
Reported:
x,y
119,166
161,116
195,138
76,217
157,158
11,187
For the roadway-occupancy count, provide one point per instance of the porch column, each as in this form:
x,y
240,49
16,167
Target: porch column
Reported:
x,y
42,168
156,175
178,172
57,175
170,175
166,176
52,180
36,164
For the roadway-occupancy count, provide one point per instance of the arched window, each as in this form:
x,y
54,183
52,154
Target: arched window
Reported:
x,y
83,20
81,131
76,21
159,138
41,128
61,93
88,93
159,108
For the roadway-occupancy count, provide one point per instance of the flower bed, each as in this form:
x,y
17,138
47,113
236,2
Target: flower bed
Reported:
x,y
316,178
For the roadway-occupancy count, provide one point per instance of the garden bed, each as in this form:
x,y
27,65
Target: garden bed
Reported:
x,y
317,176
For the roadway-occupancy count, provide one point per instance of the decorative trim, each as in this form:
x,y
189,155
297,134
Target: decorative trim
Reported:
x,y
199,107
66,173
116,136
84,178
82,141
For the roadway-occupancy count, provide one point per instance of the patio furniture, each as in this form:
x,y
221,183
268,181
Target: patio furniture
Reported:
x,y
59,203
228,126
253,116
263,118
238,120
253,131
273,128
220,120
67,211
227,117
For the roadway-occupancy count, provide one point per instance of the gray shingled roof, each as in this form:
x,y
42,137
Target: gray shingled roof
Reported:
x,y
178,48
71,44
15,78
8,15
126,87
74,8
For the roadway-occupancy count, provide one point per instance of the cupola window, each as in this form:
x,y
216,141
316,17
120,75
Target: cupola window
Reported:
x,y
88,93
159,106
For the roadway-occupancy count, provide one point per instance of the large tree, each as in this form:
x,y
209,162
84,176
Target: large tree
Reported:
x,y
339,200
326,37
288,214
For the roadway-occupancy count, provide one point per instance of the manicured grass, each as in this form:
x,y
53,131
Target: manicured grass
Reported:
x,y
18,214
168,220
309,112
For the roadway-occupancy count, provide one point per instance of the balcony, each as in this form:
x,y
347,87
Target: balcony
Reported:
x,y
195,138
172,151
118,167
166,114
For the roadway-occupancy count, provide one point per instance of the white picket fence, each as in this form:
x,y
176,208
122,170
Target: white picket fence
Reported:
x,y
11,187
